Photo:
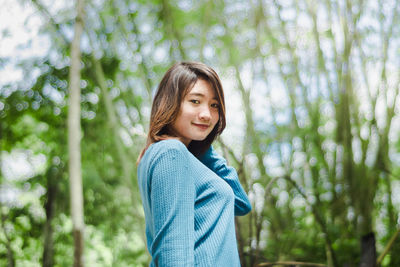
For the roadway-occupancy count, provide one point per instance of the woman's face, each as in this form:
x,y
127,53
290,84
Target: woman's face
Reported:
x,y
198,114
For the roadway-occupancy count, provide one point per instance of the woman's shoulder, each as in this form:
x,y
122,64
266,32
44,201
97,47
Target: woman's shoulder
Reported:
x,y
164,148
167,145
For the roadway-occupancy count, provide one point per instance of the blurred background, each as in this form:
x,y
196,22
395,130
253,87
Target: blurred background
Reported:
x,y
313,124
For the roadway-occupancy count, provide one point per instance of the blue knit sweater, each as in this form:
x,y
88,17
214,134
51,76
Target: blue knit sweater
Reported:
x,y
189,206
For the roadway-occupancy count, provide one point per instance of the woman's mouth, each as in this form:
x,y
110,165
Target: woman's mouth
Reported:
x,y
201,126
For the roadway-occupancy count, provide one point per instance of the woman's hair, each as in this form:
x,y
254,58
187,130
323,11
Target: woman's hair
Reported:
x,y
174,86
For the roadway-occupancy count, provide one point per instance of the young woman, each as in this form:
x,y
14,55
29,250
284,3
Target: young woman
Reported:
x,y
190,196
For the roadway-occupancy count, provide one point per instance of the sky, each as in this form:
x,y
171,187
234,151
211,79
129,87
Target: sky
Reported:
x,y
19,38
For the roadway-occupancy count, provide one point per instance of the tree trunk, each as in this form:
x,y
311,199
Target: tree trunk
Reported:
x,y
395,254
368,251
48,250
74,139
10,253
3,218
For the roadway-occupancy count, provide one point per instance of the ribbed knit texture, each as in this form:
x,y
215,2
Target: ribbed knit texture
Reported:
x,y
189,206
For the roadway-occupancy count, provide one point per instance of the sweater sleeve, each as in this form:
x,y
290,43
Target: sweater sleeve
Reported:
x,y
219,166
172,195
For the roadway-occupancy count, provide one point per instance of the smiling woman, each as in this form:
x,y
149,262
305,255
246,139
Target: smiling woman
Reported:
x,y
189,194
198,114
177,84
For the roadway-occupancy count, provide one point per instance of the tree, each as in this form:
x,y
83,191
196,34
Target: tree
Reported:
x,y
317,83
74,137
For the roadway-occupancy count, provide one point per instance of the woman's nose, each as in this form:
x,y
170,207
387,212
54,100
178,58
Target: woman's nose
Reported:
x,y
205,114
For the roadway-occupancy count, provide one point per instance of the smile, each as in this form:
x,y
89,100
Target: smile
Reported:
x,y
201,126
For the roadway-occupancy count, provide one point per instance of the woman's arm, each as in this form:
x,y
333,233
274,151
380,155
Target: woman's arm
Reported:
x,y
218,165
172,208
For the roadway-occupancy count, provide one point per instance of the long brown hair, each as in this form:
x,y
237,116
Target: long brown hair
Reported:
x,y
174,86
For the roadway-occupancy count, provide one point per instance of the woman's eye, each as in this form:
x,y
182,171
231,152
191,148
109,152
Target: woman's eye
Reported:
x,y
194,101
215,105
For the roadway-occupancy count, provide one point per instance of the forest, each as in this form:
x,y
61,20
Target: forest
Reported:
x,y
313,125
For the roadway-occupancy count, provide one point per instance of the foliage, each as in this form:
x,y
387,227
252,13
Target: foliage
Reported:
x,y
318,125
